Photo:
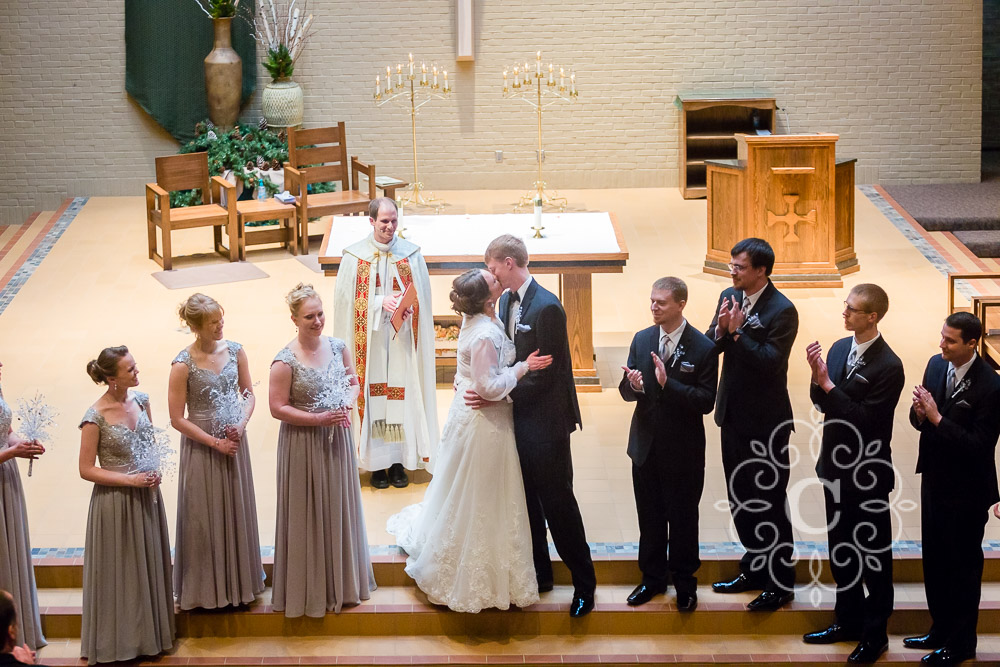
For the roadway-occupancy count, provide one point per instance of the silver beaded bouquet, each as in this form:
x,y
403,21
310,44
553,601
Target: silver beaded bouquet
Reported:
x,y
231,407
337,392
36,417
151,451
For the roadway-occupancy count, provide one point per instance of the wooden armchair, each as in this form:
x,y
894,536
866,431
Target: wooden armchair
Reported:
x,y
186,172
319,155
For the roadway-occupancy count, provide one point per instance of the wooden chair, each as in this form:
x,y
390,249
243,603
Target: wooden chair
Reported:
x,y
186,172
319,155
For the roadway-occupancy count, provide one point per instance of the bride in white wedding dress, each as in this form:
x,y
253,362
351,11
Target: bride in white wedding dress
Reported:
x,y
468,542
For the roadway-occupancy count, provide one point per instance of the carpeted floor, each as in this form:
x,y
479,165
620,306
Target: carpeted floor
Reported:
x,y
954,207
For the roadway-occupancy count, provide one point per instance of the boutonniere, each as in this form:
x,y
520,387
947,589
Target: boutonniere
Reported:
x,y
962,386
754,322
678,353
858,363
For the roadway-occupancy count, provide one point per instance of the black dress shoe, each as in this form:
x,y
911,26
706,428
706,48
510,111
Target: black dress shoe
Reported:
x,y
770,601
643,594
833,634
924,642
737,585
544,586
581,606
380,480
868,652
687,602
948,656
397,476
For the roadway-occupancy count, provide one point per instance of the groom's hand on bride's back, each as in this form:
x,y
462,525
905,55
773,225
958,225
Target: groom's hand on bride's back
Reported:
x,y
474,400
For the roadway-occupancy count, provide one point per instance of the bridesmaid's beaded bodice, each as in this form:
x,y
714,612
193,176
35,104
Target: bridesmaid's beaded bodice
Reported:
x,y
114,446
308,383
205,385
6,418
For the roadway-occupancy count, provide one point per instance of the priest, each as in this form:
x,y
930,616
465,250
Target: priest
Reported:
x,y
397,405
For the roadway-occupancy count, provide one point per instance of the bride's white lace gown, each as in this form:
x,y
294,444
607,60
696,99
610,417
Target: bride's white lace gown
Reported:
x,y
468,542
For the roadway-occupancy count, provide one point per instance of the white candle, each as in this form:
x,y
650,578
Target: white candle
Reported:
x,y
572,84
446,86
423,73
378,86
411,65
552,80
562,79
399,75
435,76
538,64
388,79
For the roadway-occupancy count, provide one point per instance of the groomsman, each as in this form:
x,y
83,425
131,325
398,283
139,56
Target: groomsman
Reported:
x,y
857,389
957,411
754,328
671,376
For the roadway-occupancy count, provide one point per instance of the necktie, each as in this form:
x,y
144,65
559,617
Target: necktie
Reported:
x,y
666,347
515,300
852,359
746,305
950,386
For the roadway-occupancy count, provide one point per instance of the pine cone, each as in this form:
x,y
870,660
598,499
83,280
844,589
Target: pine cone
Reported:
x,y
261,163
262,124
282,135
275,164
199,129
249,165
209,124
235,134
211,135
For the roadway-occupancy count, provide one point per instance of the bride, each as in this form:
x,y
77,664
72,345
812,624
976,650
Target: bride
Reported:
x,y
468,542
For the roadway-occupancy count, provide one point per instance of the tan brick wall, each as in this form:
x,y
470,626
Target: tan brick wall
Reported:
x,y
900,81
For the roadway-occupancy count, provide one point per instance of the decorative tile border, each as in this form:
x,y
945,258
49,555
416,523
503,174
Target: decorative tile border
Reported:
x,y
40,249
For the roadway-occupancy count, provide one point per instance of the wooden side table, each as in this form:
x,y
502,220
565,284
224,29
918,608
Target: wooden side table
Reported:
x,y
252,210
390,190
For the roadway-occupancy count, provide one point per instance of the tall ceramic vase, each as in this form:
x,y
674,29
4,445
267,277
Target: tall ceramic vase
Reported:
x,y
223,77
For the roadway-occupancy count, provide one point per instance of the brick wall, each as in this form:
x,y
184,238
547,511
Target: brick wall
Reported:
x,y
901,82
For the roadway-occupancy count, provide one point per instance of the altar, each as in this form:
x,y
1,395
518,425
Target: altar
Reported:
x,y
574,246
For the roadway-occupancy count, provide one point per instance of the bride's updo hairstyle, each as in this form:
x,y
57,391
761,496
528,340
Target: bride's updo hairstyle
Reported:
x,y
106,364
469,293
300,293
197,309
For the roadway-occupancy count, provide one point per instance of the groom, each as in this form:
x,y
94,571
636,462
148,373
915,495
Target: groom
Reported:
x,y
545,413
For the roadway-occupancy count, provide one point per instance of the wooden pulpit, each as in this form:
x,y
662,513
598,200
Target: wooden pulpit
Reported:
x,y
791,191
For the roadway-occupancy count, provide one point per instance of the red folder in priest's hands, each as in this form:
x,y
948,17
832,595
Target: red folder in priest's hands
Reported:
x,y
406,299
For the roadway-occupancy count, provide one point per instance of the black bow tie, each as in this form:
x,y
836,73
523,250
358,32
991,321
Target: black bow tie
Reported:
x,y
515,297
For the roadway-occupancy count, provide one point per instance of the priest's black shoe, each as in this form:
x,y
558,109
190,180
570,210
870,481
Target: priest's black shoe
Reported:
x,y
770,601
397,476
948,656
380,480
687,602
643,594
924,642
581,606
737,585
868,652
833,634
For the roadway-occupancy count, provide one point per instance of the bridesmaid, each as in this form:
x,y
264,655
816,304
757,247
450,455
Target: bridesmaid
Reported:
x,y
16,572
128,604
321,557
217,550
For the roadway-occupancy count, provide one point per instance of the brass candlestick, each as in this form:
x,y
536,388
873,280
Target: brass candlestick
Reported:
x,y
418,90
533,88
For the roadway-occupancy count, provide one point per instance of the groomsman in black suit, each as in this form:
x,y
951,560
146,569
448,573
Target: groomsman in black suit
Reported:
x,y
957,411
545,413
754,328
857,389
671,376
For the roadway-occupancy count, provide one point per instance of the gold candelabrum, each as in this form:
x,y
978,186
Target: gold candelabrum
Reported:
x,y
413,85
538,87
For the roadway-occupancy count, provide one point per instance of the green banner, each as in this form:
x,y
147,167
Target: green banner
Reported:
x,y
166,42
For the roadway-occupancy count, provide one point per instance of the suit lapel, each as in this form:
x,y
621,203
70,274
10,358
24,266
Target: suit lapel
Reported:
x,y
970,375
838,364
503,307
761,300
529,295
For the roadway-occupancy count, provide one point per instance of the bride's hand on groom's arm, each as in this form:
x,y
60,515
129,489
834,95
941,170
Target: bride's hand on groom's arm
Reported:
x,y
537,361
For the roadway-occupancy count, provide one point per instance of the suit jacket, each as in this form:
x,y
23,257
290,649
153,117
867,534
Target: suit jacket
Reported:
x,y
956,457
753,390
672,417
858,415
545,405
9,659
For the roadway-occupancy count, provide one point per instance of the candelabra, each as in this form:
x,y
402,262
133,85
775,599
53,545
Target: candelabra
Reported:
x,y
417,89
533,88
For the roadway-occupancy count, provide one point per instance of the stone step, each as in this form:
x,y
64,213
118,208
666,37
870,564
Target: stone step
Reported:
x,y
908,568
404,611
578,649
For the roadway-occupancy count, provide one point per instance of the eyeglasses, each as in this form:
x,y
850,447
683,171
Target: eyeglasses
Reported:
x,y
736,268
851,309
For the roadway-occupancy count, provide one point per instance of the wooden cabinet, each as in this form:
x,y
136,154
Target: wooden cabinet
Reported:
x,y
709,123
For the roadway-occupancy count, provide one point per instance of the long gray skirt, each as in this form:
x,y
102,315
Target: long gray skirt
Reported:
x,y
16,572
128,603
217,550
321,559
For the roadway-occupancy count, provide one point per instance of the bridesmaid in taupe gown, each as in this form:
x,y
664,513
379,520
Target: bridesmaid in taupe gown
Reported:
x,y
217,548
321,559
128,603
16,572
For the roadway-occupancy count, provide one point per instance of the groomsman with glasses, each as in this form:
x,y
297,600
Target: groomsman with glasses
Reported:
x,y
956,408
857,389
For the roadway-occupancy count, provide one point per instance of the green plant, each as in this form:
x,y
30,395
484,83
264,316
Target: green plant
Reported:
x,y
219,9
279,63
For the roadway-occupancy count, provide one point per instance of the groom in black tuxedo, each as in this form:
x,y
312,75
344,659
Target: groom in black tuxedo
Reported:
x,y
671,375
545,413
754,329
857,389
956,408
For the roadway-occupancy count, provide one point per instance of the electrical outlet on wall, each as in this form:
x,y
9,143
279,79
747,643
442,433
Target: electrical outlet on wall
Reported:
x,y
499,156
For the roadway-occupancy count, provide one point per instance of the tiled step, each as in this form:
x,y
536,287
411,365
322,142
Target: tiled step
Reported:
x,y
404,611
519,650
68,572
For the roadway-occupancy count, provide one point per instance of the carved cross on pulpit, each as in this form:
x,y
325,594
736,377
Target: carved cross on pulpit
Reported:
x,y
790,218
